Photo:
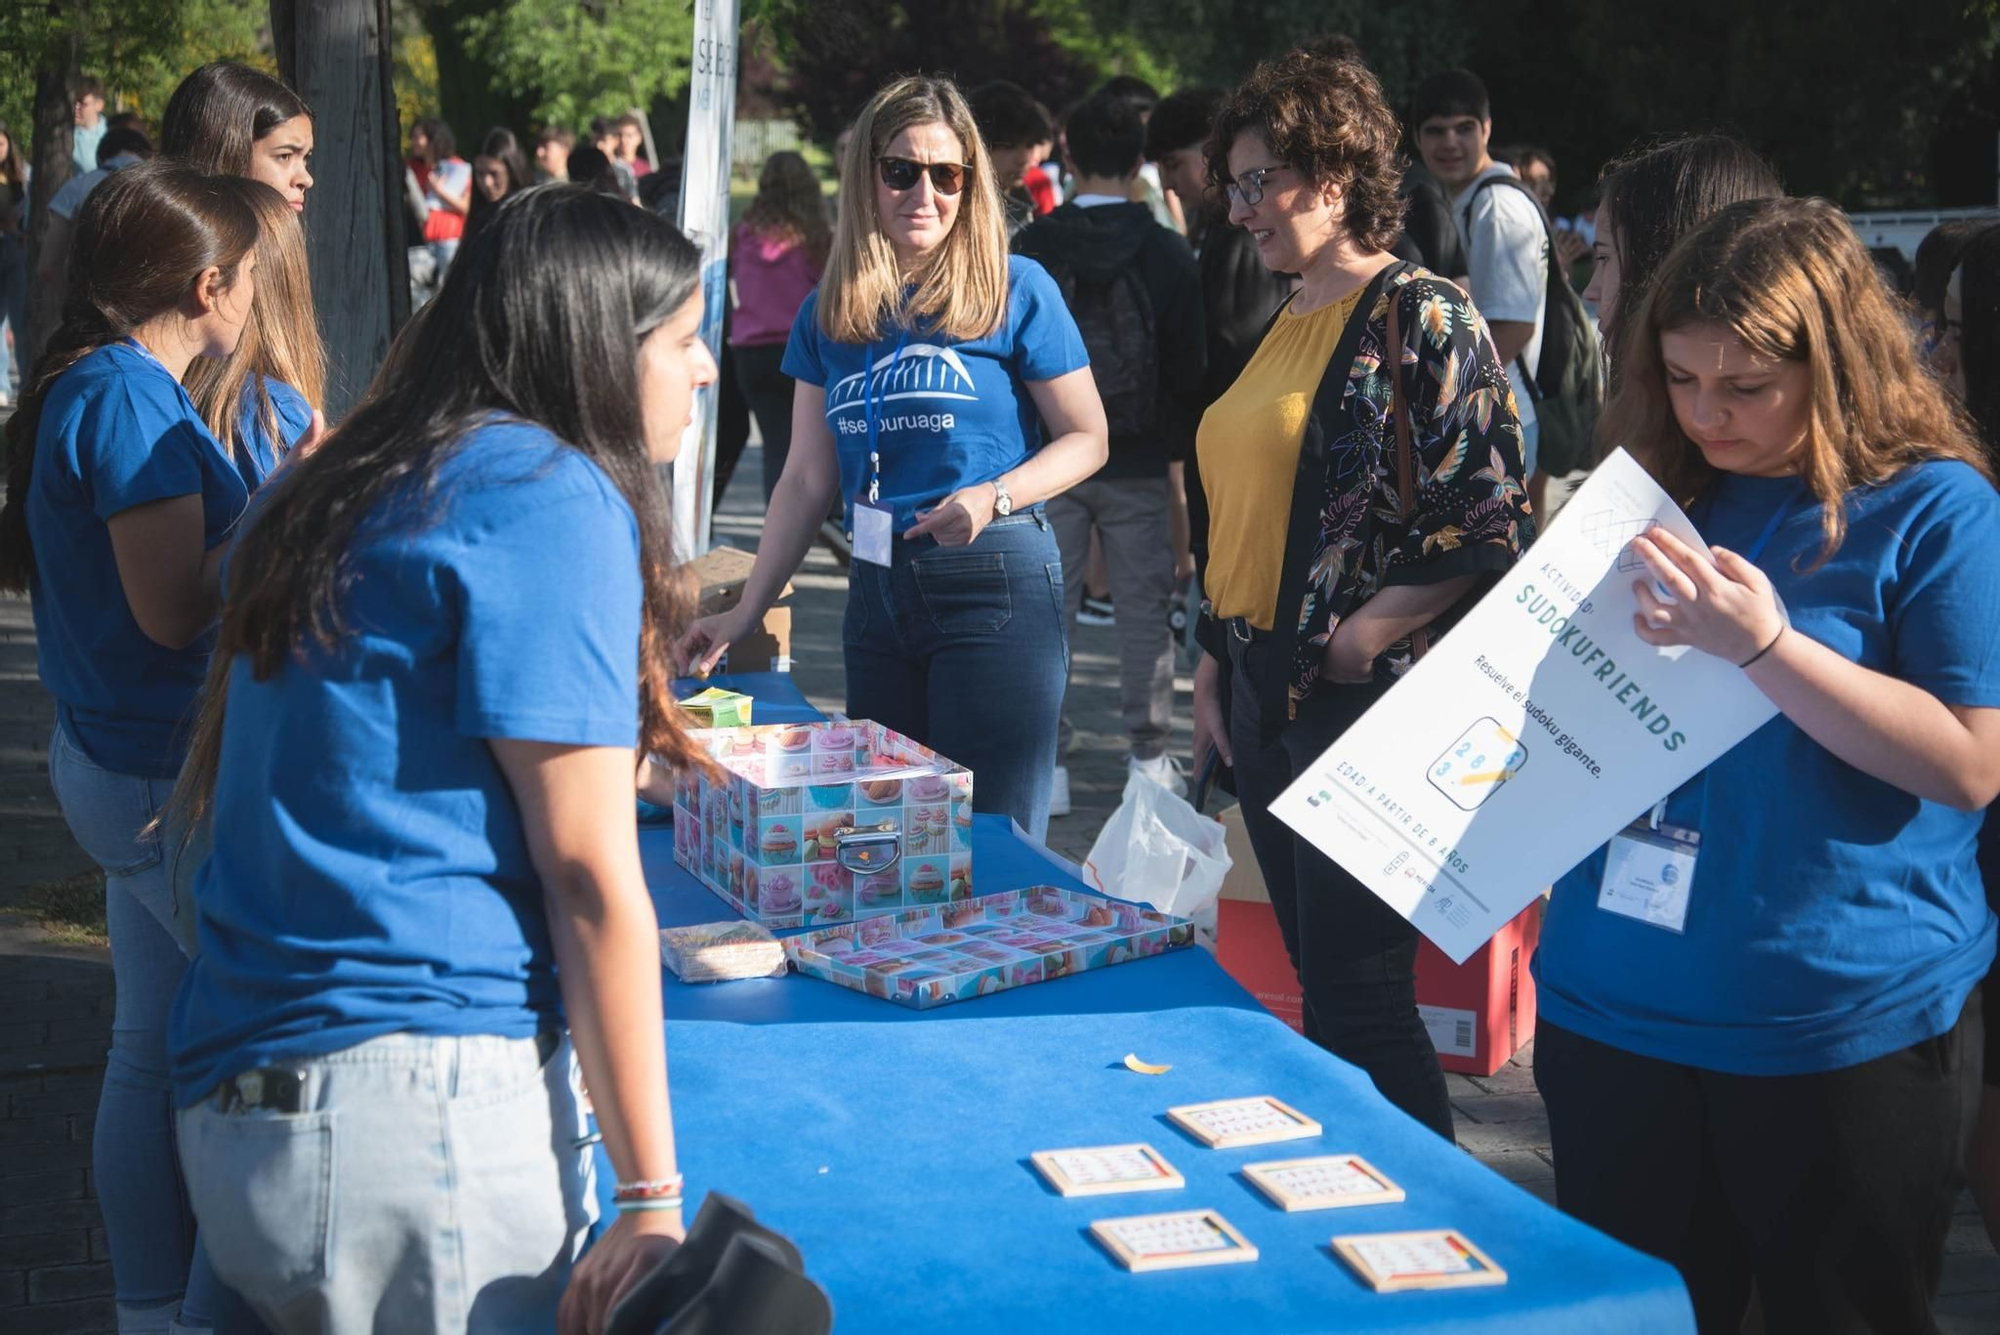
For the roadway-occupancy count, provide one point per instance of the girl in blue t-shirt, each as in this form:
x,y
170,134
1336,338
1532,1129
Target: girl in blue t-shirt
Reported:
x,y
929,363
446,630
119,504
1760,1040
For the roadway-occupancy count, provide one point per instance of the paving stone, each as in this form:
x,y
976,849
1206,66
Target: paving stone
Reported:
x,y
74,1055
34,1130
13,1287
26,1189
66,1283
21,1035
39,1249
66,1099
1480,1138
81,1029
20,1160
88,1317
1518,1165
1499,1107
53,1217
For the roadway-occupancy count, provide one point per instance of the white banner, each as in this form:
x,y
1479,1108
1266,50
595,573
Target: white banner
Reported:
x,y
1537,729
705,219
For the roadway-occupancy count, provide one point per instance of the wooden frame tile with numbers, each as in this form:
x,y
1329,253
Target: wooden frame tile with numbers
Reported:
x,y
1172,1241
1329,1182
1104,1170
1437,1258
1227,1123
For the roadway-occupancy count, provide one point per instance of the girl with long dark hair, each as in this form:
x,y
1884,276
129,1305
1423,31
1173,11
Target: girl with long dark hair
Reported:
x,y
119,504
448,630
499,169
227,119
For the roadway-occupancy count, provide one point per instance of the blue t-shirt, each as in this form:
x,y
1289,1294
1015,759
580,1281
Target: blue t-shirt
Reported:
x,y
259,453
1833,918
118,431
949,415
371,873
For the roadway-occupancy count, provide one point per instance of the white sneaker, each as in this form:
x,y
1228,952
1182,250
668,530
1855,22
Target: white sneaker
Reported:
x,y
1163,770
1059,792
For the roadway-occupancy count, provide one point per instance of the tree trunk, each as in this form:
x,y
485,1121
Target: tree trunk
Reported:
x,y
51,145
336,54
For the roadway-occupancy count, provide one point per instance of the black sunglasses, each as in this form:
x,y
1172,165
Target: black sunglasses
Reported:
x,y
947,178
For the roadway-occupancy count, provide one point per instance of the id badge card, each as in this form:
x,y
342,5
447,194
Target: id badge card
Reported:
x,y
874,532
1649,874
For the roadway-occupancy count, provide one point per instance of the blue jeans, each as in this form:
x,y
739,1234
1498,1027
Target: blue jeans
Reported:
x,y
963,649
13,305
422,1184
155,1257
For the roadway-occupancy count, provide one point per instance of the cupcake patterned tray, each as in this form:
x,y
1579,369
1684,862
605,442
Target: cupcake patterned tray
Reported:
x,y
952,952
766,836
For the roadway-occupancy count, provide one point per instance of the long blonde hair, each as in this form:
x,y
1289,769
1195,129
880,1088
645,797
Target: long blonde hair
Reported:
x,y
1789,278
961,291
281,341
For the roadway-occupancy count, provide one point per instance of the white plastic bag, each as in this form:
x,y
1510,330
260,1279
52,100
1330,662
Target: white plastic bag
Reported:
x,y
1156,849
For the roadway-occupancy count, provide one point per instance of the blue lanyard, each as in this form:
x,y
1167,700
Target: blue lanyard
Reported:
x,y
873,396
1771,525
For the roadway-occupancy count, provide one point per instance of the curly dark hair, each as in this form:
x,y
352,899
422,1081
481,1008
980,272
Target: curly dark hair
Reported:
x,y
1328,120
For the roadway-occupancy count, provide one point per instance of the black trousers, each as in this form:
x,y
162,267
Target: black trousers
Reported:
x,y
1355,956
767,391
1831,1193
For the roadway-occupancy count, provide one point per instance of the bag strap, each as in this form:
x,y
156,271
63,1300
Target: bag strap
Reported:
x,y
1420,639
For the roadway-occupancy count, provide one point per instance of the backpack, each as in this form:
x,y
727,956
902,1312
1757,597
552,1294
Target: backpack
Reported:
x,y
1115,316
1568,385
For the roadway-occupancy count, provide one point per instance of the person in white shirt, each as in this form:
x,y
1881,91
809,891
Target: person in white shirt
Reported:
x,y
1506,243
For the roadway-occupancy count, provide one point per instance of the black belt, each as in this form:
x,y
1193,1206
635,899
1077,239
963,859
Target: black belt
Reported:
x,y
1243,632
281,1089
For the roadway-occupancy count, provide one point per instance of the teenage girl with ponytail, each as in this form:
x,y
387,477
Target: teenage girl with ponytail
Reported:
x,y
119,501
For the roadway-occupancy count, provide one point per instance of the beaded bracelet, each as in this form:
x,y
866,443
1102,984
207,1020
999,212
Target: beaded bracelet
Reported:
x,y
651,1189
643,1204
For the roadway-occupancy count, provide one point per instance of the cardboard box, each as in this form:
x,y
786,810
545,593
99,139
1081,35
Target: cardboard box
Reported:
x,y
720,574
763,836
1252,951
971,948
1482,1012
1245,879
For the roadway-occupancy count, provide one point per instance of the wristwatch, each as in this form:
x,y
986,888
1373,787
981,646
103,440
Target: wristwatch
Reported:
x,y
1003,503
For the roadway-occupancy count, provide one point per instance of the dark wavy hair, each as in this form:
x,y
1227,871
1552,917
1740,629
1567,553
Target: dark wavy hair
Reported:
x,y
1328,120
1657,195
143,238
540,320
219,111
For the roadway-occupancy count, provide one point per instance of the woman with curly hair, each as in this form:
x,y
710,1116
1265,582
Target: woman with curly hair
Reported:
x,y
775,260
1377,419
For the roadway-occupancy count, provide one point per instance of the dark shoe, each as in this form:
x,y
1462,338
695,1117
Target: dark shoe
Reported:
x,y
1095,611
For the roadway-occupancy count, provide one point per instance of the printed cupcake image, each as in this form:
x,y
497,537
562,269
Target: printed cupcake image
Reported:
x,y
831,796
751,877
877,932
780,894
1045,902
961,823
961,878
778,842
924,830
827,904
926,883
880,792
833,762
882,891
777,801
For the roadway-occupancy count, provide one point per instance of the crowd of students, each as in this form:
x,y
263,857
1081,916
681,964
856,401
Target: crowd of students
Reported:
x,y
358,999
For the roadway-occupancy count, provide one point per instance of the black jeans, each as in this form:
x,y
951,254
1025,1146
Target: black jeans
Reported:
x,y
768,392
1355,956
1831,1193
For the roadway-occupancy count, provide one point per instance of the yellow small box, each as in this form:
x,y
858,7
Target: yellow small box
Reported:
x,y
717,708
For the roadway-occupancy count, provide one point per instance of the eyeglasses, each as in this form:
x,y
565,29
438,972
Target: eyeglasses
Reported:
x,y
947,178
1248,188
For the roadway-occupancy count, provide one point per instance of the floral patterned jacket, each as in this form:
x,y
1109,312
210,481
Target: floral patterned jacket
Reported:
x,y
1348,537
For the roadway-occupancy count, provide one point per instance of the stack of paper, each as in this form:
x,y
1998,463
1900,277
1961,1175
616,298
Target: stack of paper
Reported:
x,y
718,952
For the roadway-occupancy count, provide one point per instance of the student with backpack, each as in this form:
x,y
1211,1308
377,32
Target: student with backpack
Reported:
x,y
1135,292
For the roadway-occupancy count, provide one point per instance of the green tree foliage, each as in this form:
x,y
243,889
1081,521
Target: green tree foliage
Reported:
x,y
570,60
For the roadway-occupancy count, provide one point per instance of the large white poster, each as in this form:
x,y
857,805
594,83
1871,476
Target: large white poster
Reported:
x,y
705,219
1533,732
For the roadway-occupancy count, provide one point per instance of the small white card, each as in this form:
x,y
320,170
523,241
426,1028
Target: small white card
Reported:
x,y
1230,1122
1105,1169
1173,1241
1326,1183
1439,1258
874,533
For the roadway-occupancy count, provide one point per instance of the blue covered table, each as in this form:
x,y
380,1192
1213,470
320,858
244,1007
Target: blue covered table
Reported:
x,y
893,1146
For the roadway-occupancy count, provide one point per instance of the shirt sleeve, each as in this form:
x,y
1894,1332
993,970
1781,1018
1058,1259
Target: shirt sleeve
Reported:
x,y
294,414
549,601
1944,611
1469,503
1046,341
134,447
1507,256
802,356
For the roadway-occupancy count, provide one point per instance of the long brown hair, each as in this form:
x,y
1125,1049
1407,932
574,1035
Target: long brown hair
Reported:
x,y
218,112
1790,279
962,289
281,341
143,238
790,206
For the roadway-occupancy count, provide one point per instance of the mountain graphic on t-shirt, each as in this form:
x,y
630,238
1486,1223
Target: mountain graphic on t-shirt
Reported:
x,y
919,371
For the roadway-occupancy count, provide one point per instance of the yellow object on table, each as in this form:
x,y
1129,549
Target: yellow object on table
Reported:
x,y
717,708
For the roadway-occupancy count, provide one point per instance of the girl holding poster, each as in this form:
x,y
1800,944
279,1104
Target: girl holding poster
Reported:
x,y
1773,1086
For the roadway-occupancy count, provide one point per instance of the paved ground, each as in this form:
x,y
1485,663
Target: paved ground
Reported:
x,y
55,1001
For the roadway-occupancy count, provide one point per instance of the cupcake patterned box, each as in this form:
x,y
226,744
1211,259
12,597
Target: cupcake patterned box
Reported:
x,y
769,837
968,948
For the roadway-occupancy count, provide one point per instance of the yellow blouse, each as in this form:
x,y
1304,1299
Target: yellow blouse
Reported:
x,y
1248,453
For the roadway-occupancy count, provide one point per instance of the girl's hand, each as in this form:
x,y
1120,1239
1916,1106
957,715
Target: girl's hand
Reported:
x,y
1725,608
707,640
959,517
630,1248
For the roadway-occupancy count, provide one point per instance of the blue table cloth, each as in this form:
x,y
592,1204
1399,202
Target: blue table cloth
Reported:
x,y
893,1147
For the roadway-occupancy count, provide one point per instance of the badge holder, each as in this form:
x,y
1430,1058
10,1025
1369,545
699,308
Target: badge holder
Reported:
x,y
1649,872
873,538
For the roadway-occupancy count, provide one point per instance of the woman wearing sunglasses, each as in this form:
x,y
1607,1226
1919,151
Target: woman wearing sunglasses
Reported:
x,y
1324,570
943,392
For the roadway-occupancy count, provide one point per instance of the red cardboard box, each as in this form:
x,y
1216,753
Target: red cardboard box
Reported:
x,y
1479,1013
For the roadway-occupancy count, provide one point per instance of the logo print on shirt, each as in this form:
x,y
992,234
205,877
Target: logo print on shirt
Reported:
x,y
924,371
